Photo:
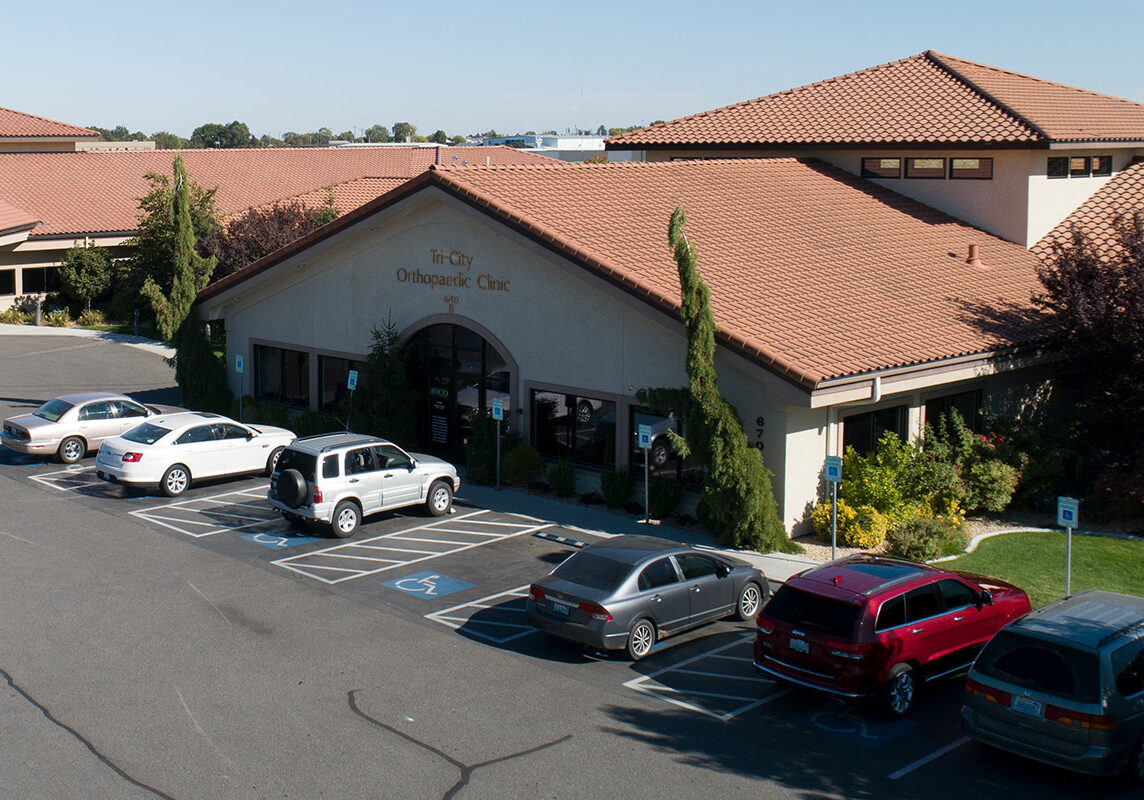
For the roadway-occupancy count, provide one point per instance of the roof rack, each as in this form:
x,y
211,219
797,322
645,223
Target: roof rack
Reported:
x,y
1108,637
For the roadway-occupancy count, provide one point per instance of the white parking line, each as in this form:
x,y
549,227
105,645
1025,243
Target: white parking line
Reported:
x,y
215,517
456,621
651,684
934,756
311,564
78,478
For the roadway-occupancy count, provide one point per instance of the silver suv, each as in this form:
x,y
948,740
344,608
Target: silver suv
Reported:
x,y
339,478
1065,685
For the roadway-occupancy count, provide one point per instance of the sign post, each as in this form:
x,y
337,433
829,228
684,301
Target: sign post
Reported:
x,y
498,415
238,367
351,384
645,445
833,474
1067,517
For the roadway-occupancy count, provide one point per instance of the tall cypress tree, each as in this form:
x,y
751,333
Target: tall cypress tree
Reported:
x,y
737,503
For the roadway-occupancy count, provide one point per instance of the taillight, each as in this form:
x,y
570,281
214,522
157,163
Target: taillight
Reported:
x,y
132,457
317,495
536,593
596,612
1079,719
848,650
986,693
764,627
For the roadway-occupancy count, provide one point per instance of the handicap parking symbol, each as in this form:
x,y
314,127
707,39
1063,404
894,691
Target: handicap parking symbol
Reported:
x,y
278,542
846,723
428,585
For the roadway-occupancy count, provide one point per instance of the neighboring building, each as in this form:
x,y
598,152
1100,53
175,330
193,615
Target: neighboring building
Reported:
x,y
27,133
93,197
561,147
844,309
1010,153
1123,196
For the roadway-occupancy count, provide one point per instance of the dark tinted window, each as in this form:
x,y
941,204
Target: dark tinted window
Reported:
x,y
1048,667
125,408
922,603
100,410
971,168
1128,667
956,594
52,410
330,467
658,573
695,566
146,433
390,457
1058,167
595,571
813,612
359,461
881,168
892,614
1102,165
232,432
305,463
199,433
925,167
1079,166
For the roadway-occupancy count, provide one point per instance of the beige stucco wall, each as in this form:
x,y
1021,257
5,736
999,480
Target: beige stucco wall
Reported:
x,y
1053,199
37,146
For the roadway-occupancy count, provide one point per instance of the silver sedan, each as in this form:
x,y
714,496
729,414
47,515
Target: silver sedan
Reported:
x,y
71,425
628,592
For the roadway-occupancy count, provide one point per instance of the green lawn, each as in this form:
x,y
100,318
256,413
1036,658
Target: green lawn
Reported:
x,y
1036,563
144,330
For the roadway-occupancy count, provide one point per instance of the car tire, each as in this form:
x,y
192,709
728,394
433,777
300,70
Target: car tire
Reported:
x,y
72,449
347,517
272,461
641,639
175,480
584,412
660,453
898,692
439,500
291,487
750,601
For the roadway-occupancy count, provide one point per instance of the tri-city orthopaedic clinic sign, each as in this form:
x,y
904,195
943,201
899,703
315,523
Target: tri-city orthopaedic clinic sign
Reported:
x,y
452,269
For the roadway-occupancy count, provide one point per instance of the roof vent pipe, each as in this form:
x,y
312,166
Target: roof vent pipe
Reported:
x,y
974,260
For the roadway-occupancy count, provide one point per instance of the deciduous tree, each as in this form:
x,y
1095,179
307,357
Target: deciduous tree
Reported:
x,y
260,231
85,273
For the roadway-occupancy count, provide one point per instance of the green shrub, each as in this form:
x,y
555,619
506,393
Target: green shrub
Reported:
x,y
633,507
616,488
663,497
481,449
562,478
520,465
57,318
821,515
91,318
867,530
991,484
310,423
14,316
591,498
926,538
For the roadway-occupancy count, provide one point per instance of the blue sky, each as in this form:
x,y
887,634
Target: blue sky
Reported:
x,y
468,67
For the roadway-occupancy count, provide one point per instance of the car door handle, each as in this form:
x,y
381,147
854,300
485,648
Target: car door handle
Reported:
x,y
958,619
696,589
917,630
657,599
387,475
353,480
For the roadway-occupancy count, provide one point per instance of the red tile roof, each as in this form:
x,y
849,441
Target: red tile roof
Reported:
x,y
17,124
813,272
346,196
13,218
924,99
1123,194
98,191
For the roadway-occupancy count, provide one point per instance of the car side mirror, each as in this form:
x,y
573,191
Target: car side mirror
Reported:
x,y
985,598
722,570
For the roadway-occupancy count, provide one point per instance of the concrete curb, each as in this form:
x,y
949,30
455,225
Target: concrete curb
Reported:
x,y
140,342
979,538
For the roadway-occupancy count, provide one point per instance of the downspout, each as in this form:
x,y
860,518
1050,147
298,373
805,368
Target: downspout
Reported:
x,y
832,413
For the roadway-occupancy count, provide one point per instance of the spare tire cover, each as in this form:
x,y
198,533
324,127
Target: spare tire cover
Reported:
x,y
291,487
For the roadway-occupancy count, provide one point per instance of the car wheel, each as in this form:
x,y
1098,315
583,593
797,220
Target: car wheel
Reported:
x,y
584,412
440,499
659,454
175,480
72,449
291,487
898,692
347,517
272,461
750,600
641,638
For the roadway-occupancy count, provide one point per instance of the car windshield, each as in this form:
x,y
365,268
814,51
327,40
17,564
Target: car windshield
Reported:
x,y
305,463
53,410
813,612
595,571
1050,667
146,433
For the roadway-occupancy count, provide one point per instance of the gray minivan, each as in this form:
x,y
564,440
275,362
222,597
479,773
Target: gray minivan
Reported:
x,y
1065,685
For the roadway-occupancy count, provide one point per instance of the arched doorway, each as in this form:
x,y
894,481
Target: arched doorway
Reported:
x,y
455,372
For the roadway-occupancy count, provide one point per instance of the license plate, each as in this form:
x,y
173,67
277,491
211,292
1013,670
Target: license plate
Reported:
x,y
1025,705
559,608
799,646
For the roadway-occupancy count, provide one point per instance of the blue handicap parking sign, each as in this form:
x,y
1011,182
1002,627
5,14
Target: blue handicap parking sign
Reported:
x,y
428,584
278,542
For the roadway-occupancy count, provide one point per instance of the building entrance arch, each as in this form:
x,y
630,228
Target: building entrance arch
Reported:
x,y
456,370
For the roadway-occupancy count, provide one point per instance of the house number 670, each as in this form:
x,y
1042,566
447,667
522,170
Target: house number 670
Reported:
x,y
760,423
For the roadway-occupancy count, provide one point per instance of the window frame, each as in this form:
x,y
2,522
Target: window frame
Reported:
x,y
944,168
1105,170
676,576
1087,173
953,176
872,174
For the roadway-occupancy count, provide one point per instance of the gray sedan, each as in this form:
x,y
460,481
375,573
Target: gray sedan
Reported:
x,y
628,592
74,424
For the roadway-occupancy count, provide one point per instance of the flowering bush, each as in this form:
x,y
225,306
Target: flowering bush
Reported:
x,y
91,318
14,316
57,318
863,527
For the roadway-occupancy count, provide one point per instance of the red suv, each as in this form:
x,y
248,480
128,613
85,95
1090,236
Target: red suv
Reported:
x,y
868,626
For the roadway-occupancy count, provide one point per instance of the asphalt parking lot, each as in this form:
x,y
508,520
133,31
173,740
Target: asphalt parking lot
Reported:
x,y
204,647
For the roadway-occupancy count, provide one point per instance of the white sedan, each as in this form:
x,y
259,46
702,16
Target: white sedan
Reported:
x,y
172,450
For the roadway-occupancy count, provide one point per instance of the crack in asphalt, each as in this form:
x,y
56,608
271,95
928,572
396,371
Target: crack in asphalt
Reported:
x,y
466,770
79,737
